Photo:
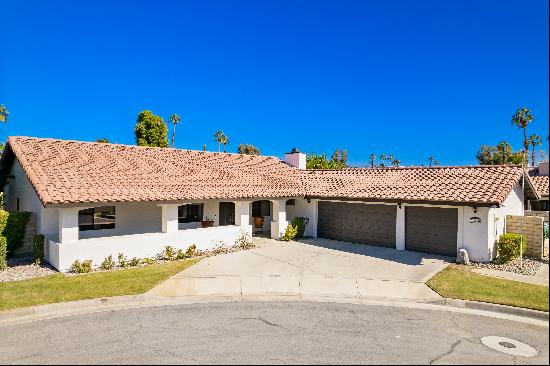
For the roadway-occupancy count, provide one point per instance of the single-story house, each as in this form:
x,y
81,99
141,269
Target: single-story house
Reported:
x,y
92,200
540,178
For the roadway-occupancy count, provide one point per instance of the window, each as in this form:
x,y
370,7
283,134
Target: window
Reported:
x,y
261,208
96,218
190,213
539,205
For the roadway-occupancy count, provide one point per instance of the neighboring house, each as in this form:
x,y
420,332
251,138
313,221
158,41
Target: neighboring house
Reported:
x,y
93,200
541,180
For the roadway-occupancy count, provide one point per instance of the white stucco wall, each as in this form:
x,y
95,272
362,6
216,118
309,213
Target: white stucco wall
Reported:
x,y
61,256
303,208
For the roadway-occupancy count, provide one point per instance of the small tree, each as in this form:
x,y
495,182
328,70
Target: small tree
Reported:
x,y
433,161
396,162
102,140
225,142
248,149
151,130
175,119
383,158
219,137
534,140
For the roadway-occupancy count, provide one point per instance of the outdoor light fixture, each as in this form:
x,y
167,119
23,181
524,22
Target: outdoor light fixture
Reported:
x,y
399,205
475,209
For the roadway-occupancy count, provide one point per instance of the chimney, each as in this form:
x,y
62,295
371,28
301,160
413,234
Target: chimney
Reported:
x,y
543,168
296,158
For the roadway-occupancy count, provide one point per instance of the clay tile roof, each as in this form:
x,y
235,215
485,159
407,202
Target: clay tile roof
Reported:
x,y
540,182
466,184
63,171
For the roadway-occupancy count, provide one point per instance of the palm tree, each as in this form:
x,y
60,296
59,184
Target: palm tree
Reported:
x,y
390,159
383,158
219,137
504,148
534,140
433,161
4,113
521,119
372,159
175,119
225,142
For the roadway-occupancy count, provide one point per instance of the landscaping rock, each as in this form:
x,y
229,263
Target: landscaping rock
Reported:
x,y
530,266
23,269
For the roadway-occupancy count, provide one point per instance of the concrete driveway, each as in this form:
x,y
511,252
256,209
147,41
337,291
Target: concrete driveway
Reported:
x,y
310,268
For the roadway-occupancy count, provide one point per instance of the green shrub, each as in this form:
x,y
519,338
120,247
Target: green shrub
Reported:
x,y
12,226
509,247
108,263
191,251
148,261
290,233
134,262
300,223
82,267
169,253
180,254
3,253
122,262
38,249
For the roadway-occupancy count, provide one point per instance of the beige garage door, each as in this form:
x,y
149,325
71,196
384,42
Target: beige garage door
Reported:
x,y
357,223
431,230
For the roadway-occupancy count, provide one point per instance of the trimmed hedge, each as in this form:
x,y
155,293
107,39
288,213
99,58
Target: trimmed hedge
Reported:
x,y
3,253
12,227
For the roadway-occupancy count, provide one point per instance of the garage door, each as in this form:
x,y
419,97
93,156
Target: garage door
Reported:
x,y
431,230
357,223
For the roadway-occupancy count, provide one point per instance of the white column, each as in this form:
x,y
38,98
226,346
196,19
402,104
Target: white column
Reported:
x,y
278,219
68,225
460,229
400,228
242,217
169,218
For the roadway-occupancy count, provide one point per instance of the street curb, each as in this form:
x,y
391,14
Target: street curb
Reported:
x,y
98,305
495,308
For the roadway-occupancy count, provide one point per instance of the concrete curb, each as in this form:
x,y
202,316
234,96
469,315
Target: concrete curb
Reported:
x,y
496,308
82,307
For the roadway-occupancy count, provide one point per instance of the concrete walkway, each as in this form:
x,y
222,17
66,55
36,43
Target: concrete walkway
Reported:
x,y
313,267
540,278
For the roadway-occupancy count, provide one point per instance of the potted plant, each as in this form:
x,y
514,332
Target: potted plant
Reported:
x,y
259,222
207,222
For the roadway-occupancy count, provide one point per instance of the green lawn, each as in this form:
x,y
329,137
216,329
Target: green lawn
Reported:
x,y
458,282
60,287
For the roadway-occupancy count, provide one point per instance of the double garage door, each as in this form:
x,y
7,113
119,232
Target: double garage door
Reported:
x,y
427,229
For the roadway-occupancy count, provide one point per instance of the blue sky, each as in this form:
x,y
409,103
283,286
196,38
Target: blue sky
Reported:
x,y
411,78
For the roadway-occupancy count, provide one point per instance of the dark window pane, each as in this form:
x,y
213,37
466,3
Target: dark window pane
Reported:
x,y
190,213
97,218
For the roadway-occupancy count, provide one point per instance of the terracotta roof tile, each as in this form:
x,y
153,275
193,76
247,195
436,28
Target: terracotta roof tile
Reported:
x,y
63,171
474,184
541,182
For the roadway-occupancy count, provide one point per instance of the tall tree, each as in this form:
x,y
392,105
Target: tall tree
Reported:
x,y
502,153
225,142
175,119
4,113
248,149
534,141
219,138
521,119
372,160
383,158
337,161
505,150
151,130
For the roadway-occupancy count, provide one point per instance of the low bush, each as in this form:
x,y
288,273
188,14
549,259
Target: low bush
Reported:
x,y
508,247
12,227
122,262
3,253
82,267
134,262
191,251
38,249
108,263
148,261
290,233
169,253
244,242
180,254
300,224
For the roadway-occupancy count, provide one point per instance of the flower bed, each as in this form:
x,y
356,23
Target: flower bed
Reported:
x,y
530,266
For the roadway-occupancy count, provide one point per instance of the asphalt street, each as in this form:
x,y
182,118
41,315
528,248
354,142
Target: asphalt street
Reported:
x,y
268,332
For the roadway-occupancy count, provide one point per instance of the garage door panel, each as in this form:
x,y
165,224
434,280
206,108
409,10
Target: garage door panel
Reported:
x,y
357,223
431,230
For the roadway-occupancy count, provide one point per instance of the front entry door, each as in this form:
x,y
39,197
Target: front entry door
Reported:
x,y
227,213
